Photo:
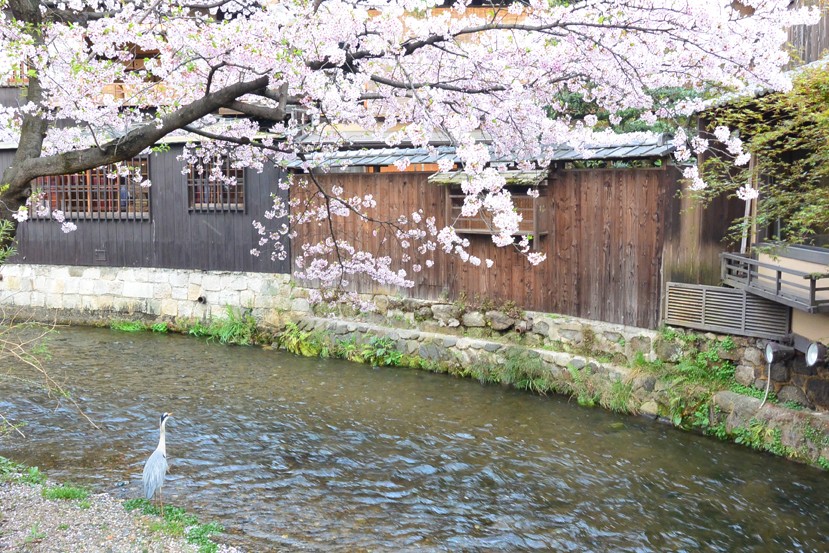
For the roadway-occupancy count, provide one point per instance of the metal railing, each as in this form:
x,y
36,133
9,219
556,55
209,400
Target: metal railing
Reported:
x,y
804,291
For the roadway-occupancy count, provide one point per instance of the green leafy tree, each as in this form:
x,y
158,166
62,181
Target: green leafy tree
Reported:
x,y
788,136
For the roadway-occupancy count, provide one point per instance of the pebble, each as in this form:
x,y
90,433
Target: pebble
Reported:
x,y
31,523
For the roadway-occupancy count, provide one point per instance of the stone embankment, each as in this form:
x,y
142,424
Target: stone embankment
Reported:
x,y
611,365
670,374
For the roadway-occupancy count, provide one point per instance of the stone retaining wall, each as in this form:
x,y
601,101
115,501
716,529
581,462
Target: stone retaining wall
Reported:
x,y
802,435
573,354
89,294
103,293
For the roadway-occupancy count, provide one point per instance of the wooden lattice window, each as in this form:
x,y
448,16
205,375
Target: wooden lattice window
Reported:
x,y
533,223
216,186
110,192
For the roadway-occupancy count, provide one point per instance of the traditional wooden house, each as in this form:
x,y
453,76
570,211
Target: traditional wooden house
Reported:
x,y
182,221
610,220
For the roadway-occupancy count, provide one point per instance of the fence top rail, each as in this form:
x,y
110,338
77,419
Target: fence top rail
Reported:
x,y
742,258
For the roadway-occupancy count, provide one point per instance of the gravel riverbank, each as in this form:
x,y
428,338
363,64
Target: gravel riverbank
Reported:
x,y
31,523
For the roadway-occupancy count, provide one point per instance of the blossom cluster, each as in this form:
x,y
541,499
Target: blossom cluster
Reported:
x,y
489,81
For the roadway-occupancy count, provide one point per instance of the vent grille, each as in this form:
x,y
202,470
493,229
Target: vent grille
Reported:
x,y
727,310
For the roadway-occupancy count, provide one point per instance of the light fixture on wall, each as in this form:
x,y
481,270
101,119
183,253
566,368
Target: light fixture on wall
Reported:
x,y
815,354
778,352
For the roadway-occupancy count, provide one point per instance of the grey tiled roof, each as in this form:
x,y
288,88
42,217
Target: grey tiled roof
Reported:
x,y
656,148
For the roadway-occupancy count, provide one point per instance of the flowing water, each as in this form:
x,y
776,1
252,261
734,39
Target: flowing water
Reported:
x,y
295,454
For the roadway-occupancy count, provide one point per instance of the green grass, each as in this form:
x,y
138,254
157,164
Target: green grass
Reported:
x,y
177,522
64,491
752,392
128,326
237,328
160,327
16,472
619,398
35,534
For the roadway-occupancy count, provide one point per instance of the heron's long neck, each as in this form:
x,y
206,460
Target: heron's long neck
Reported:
x,y
162,443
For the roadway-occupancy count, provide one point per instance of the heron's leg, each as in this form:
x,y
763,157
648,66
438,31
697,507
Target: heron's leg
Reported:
x,y
161,500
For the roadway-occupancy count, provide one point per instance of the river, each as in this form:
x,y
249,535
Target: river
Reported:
x,y
296,454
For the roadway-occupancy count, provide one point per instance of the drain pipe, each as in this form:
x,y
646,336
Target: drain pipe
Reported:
x,y
774,352
768,385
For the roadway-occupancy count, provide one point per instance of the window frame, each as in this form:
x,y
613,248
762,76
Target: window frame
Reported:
x,y
231,198
94,195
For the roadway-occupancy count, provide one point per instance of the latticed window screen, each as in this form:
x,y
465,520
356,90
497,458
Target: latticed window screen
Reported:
x,y
110,192
216,187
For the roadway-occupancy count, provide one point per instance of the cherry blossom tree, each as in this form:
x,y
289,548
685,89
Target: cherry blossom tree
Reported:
x,y
492,81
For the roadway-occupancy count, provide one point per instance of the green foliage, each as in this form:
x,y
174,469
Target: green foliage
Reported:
x,y
823,463
582,387
161,327
11,471
754,436
775,444
575,106
699,364
7,248
127,326
201,534
705,367
523,370
381,352
32,476
160,148
35,534
347,349
619,397
787,133
238,328
727,344
300,342
199,330
752,392
639,361
64,491
818,438
175,521
702,421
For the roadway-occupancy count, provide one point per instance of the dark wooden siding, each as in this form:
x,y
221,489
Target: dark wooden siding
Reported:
x,y
604,249
11,96
811,42
172,237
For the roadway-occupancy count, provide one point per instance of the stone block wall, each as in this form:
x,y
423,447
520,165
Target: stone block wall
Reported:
x,y
573,354
608,343
87,294
99,294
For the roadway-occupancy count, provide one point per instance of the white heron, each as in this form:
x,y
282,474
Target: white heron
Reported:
x,y
155,469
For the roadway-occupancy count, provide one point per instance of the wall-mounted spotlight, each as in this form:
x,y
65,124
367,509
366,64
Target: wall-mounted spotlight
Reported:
x,y
778,352
816,354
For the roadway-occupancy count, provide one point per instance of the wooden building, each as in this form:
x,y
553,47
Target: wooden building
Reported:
x,y
611,224
181,221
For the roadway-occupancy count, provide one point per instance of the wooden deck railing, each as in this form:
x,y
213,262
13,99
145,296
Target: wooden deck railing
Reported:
x,y
805,291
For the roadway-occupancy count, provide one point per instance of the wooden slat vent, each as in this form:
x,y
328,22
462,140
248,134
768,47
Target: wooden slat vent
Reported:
x,y
726,310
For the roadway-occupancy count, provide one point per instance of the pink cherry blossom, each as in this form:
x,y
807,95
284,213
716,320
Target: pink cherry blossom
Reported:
x,y
312,75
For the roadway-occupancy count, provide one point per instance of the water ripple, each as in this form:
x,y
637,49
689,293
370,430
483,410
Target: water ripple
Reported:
x,y
294,454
